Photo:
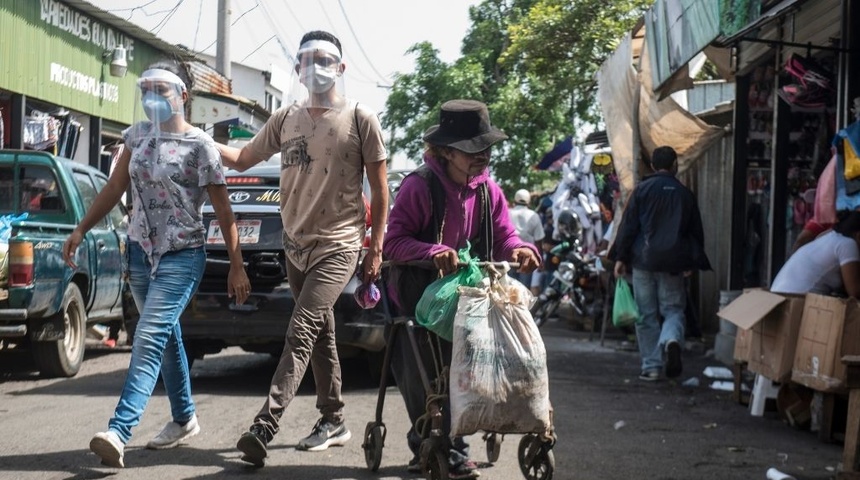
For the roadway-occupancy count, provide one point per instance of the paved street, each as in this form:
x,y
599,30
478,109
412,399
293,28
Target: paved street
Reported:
x,y
610,425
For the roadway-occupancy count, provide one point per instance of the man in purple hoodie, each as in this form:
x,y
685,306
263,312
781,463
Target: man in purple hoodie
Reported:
x,y
448,201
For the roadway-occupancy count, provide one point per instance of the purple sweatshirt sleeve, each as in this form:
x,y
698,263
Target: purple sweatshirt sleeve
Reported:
x,y
505,238
410,215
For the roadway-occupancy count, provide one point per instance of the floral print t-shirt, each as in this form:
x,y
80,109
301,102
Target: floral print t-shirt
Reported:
x,y
169,174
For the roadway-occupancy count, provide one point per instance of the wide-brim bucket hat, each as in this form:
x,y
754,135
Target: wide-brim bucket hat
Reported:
x,y
464,125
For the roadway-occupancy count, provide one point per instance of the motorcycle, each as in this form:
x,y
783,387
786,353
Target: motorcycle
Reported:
x,y
573,283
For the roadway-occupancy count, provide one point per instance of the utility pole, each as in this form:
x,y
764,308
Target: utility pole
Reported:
x,y
222,49
221,131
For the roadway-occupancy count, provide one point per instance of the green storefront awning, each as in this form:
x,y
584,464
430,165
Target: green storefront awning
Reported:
x,y
237,131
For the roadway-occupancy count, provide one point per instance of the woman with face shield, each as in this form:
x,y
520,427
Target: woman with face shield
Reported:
x,y
172,167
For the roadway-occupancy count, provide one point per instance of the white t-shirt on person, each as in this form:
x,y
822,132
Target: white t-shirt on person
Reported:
x,y
816,266
527,223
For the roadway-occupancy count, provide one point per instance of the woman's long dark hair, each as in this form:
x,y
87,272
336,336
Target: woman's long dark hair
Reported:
x,y
848,224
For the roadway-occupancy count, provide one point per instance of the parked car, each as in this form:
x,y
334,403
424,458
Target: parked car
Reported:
x,y
213,321
45,306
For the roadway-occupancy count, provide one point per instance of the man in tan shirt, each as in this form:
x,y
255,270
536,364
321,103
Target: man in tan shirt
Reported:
x,y
327,143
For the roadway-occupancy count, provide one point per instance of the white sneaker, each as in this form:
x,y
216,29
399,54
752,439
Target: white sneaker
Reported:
x,y
173,433
109,447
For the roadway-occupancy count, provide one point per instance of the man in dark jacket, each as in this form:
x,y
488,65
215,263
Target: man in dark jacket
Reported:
x,y
662,239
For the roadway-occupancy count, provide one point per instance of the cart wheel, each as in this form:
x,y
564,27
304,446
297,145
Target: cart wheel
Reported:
x,y
494,446
434,460
536,459
374,440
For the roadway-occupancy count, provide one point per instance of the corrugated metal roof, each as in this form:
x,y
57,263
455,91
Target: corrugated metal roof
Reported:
x,y
130,28
207,79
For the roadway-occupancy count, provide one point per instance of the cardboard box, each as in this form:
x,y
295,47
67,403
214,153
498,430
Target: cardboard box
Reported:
x,y
743,339
771,322
830,329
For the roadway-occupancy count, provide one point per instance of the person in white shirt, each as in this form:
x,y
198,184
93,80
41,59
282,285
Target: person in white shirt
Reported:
x,y
530,230
830,264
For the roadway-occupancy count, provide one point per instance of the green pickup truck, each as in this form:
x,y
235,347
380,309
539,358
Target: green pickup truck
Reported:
x,y
45,306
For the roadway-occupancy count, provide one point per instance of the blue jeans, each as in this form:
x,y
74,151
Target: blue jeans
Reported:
x,y
658,294
157,342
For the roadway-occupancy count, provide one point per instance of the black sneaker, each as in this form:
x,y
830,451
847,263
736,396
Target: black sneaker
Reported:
x,y
673,359
414,465
253,445
649,375
462,472
325,434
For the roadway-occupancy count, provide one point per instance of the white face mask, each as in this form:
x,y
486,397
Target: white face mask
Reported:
x,y
318,79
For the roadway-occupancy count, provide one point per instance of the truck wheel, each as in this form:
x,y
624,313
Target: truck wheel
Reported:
x,y
63,358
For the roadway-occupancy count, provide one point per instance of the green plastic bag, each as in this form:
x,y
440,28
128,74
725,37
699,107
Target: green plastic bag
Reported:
x,y
438,305
624,309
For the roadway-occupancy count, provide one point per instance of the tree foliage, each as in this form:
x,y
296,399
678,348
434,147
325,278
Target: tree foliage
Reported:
x,y
533,62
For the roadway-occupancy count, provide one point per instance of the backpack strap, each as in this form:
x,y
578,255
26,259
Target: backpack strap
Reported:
x,y
483,246
360,138
437,204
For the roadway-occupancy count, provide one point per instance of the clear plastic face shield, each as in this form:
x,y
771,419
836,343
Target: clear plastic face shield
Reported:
x,y
161,97
317,79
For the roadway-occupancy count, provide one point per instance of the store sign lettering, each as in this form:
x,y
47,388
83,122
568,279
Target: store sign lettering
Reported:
x,y
82,82
87,29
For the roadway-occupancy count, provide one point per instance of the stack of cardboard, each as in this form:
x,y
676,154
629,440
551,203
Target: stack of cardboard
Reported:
x,y
830,329
767,331
797,338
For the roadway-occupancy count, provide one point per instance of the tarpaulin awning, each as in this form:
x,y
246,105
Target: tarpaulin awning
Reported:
x,y
762,20
677,30
635,118
618,94
559,154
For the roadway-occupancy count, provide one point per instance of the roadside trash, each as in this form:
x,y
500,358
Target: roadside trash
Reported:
x,y
723,385
774,474
691,382
719,373
97,332
709,426
620,424
737,449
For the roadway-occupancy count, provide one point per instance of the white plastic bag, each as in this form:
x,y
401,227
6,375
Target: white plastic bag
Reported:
x,y
499,380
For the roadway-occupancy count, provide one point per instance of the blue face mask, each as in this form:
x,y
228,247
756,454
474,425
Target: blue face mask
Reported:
x,y
156,107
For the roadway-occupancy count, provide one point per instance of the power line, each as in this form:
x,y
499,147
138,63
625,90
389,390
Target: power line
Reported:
x,y
197,30
276,29
360,72
259,47
132,9
244,13
358,42
157,28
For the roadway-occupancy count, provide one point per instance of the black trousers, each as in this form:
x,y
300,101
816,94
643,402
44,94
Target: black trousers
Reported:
x,y
404,367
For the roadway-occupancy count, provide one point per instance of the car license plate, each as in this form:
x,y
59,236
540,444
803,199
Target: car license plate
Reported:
x,y
249,232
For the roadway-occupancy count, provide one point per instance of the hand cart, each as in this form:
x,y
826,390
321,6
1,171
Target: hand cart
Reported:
x,y
534,452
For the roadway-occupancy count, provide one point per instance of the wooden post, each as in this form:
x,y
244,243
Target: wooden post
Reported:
x,y
850,453
738,395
